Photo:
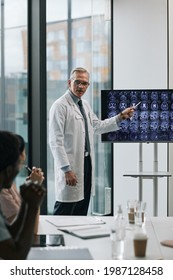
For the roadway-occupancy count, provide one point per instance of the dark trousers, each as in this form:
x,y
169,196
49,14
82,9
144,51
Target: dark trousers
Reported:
x,y
79,208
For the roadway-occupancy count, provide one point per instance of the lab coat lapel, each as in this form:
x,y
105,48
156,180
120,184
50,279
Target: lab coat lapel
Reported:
x,y
71,102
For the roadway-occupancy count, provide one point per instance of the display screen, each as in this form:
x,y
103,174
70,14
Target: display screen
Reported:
x,y
152,120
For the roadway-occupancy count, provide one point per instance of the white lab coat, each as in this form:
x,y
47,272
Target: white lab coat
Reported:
x,y
67,143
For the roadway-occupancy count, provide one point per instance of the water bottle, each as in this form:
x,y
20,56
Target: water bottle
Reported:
x,y
118,235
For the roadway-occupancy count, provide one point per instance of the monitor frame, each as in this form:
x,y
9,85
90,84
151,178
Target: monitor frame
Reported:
x,y
153,118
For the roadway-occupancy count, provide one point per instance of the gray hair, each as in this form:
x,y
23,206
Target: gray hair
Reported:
x,y
78,69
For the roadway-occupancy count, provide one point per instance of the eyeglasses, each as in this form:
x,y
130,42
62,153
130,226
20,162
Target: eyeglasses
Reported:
x,y
77,83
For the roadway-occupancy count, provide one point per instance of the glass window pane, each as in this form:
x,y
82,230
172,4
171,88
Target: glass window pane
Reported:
x,y
101,76
57,67
15,13
13,80
56,10
81,11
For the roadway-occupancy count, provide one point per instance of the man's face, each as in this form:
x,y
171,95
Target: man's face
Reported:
x,y
79,83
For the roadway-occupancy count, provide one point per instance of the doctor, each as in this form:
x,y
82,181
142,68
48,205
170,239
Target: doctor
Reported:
x,y
71,129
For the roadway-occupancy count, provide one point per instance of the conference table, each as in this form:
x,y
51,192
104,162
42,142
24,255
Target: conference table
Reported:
x,y
98,244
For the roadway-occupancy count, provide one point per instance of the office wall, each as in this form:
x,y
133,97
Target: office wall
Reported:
x,y
140,61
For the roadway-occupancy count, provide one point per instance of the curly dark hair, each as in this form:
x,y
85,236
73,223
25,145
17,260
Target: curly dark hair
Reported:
x,y
21,143
9,149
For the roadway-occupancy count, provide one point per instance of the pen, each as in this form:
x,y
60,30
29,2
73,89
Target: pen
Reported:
x,y
28,168
134,107
137,105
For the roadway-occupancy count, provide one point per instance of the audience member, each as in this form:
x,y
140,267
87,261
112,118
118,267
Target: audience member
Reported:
x,y
10,199
16,238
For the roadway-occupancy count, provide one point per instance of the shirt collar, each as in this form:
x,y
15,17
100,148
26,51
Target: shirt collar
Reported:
x,y
74,97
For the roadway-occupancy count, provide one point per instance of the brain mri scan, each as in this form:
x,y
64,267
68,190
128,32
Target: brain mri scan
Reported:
x,y
152,120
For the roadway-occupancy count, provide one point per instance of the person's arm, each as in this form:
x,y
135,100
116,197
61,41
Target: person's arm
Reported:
x,y
18,246
10,201
57,120
18,219
110,124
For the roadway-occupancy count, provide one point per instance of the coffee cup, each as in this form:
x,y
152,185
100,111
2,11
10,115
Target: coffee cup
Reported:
x,y
140,244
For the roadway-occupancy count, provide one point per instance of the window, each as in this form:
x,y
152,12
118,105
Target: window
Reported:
x,y
85,30
13,75
75,37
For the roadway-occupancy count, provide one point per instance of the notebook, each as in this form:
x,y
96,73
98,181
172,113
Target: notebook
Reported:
x,y
76,221
87,232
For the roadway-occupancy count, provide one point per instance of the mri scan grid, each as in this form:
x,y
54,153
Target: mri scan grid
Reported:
x,y
152,120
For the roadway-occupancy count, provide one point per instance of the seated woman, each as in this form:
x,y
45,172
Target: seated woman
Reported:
x,y
16,238
10,199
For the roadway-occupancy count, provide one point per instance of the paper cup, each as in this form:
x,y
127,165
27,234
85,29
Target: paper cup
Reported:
x,y
140,244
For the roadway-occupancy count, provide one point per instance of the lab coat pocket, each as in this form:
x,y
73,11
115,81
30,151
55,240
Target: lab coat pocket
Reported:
x,y
78,116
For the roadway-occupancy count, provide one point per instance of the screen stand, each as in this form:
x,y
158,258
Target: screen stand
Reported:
x,y
153,175
140,189
155,178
